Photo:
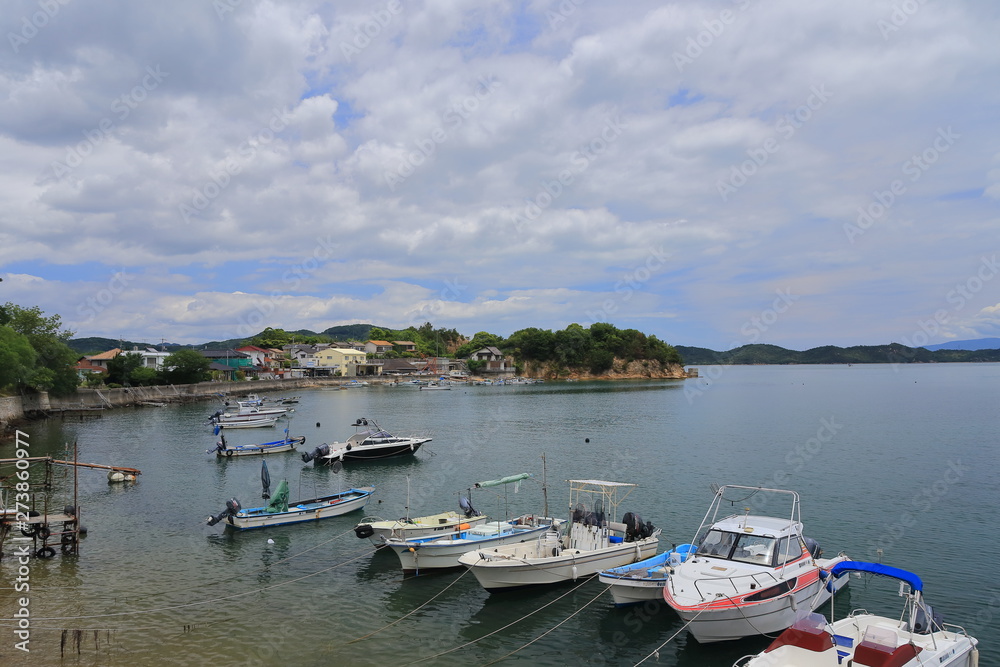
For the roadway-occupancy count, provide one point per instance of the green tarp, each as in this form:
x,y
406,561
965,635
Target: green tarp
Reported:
x,y
279,501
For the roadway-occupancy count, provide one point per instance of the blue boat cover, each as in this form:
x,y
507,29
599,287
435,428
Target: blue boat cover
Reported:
x,y
877,568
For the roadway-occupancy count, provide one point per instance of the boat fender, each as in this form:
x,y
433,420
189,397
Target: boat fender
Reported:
x,y
364,530
792,603
45,552
229,453
303,440
44,532
348,448
574,573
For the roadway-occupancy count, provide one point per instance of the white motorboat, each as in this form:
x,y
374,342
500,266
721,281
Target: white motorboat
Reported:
x,y
918,637
248,423
592,541
370,441
752,574
644,580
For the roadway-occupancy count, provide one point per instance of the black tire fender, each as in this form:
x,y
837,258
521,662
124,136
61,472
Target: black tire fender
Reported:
x,y
229,453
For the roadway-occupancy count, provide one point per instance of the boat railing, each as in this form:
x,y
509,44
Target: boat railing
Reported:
x,y
732,580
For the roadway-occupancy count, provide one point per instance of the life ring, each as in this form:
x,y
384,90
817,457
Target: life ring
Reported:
x,y
303,441
45,552
229,453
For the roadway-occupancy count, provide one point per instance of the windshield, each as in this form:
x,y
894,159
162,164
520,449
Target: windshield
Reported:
x,y
754,549
717,543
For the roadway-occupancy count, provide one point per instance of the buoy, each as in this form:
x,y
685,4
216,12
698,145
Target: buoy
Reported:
x,y
586,439
317,424
270,541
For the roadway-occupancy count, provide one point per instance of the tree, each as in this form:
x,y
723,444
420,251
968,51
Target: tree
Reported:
x,y
269,338
186,367
143,377
479,341
121,367
54,365
17,359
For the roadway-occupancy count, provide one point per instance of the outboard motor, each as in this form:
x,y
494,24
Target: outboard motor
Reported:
x,y
812,546
467,507
317,453
633,526
232,509
926,620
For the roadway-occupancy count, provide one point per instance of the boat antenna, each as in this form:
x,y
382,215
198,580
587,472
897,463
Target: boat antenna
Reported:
x,y
545,491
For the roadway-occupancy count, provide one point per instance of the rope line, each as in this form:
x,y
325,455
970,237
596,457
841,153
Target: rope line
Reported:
x,y
470,643
554,627
656,651
441,592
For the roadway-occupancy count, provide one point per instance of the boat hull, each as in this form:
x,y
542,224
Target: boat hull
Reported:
x,y
372,452
424,526
530,566
443,553
253,423
257,450
305,510
728,618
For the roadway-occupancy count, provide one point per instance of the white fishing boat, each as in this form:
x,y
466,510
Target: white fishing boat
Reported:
x,y
280,511
751,574
432,386
443,550
370,441
592,541
261,422
644,580
224,449
918,637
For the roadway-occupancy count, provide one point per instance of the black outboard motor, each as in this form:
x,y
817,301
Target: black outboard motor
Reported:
x,y
926,620
635,529
467,507
812,546
232,508
317,453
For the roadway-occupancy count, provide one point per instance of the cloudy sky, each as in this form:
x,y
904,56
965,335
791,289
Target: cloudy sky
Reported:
x,y
715,173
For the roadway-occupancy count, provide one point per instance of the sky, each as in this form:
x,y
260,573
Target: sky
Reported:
x,y
714,173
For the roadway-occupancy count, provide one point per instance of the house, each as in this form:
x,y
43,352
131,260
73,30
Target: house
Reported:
x,y
151,357
229,357
101,360
494,358
260,356
397,367
345,360
85,367
404,345
378,346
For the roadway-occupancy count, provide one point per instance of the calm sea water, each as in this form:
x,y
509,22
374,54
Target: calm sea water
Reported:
x,y
901,460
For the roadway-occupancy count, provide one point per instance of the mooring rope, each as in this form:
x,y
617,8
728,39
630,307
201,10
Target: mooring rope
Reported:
x,y
470,643
553,628
441,592
656,651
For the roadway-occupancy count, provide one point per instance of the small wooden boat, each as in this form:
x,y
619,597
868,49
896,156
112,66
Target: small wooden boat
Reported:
x,y
407,528
225,450
280,511
644,580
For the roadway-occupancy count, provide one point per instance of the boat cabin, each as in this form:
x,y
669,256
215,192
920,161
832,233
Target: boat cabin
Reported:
x,y
754,540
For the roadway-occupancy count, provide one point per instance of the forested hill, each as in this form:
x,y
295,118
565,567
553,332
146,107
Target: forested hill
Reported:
x,y
893,353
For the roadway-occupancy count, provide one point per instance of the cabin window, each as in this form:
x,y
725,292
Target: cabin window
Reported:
x,y
789,548
717,543
755,549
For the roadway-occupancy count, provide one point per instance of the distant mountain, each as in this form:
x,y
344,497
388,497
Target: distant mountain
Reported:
x,y
977,344
95,344
349,332
893,353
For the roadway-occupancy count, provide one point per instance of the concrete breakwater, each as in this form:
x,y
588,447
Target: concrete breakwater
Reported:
x,y
15,410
